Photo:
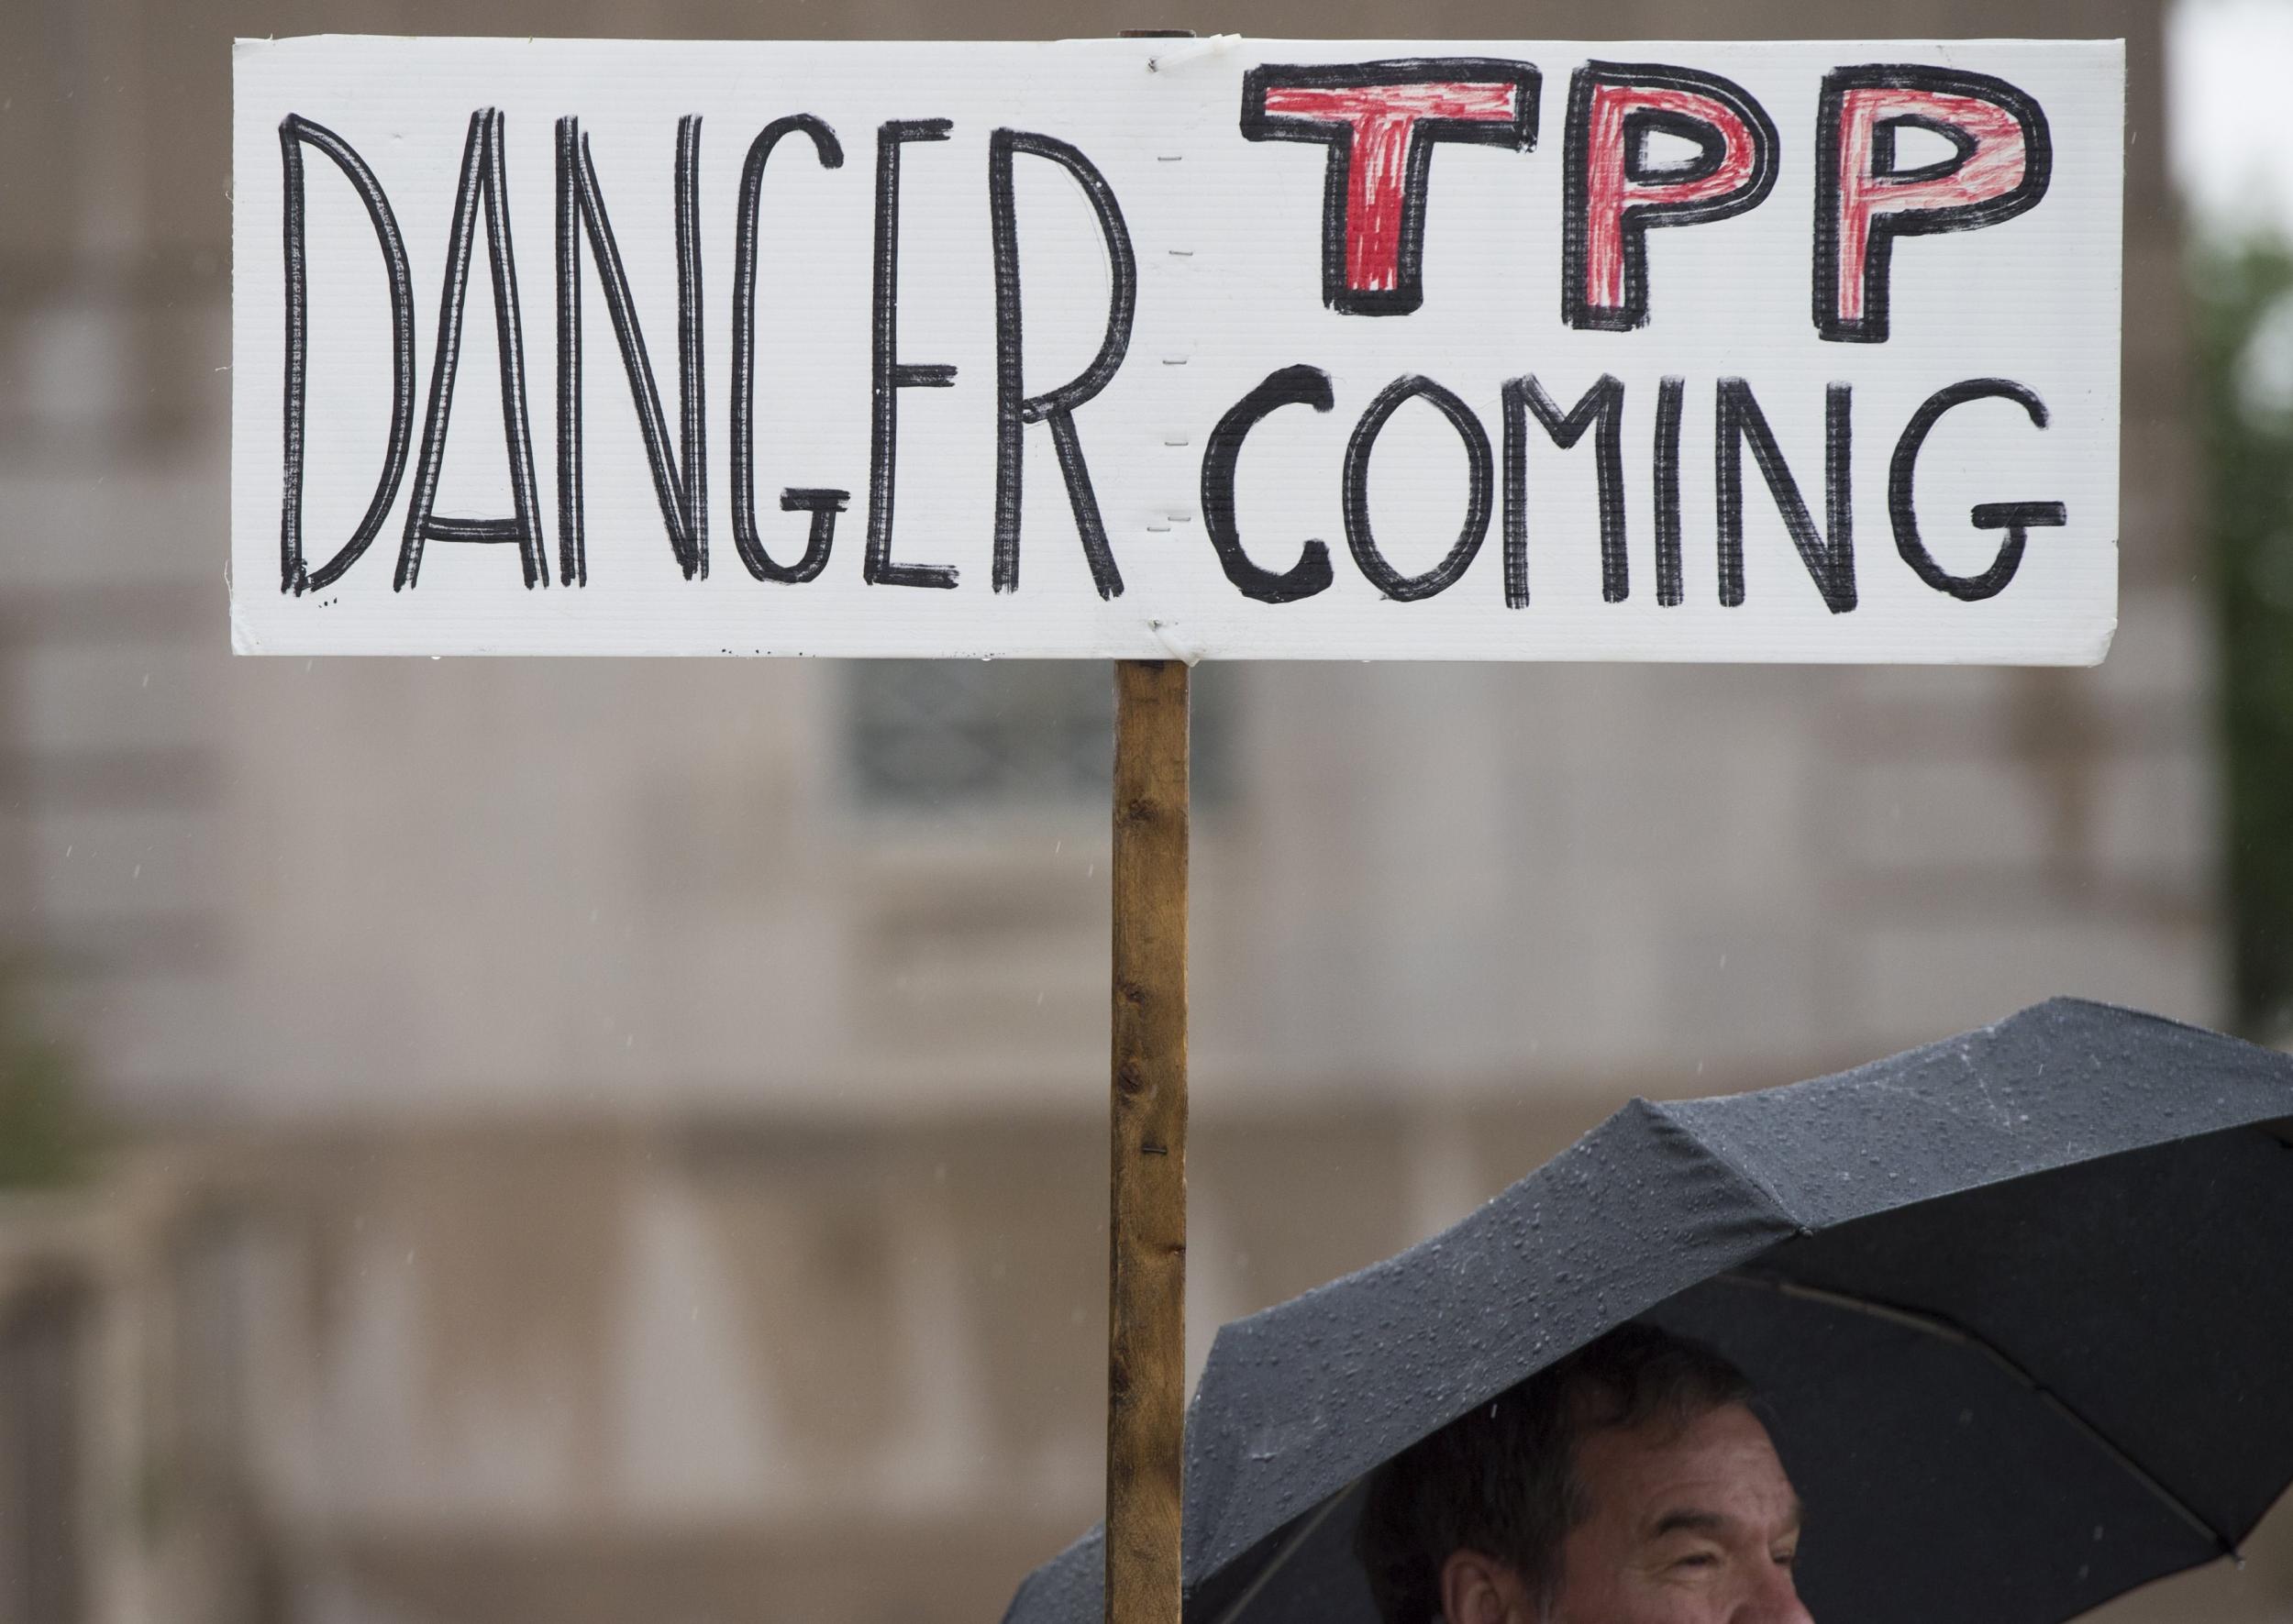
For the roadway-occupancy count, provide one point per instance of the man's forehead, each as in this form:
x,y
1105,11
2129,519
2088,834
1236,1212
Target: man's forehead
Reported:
x,y
1719,1466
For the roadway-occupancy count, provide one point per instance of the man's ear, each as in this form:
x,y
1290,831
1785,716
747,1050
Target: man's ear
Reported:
x,y
1477,1589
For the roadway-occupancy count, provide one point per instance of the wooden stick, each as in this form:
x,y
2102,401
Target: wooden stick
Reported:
x,y
1147,1209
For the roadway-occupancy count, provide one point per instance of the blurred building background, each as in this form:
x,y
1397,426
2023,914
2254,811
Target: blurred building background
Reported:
x,y
505,1141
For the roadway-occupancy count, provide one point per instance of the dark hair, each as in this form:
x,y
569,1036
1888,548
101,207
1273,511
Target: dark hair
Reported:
x,y
1502,1478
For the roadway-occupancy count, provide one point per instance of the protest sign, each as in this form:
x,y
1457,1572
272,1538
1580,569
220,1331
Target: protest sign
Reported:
x,y
1148,349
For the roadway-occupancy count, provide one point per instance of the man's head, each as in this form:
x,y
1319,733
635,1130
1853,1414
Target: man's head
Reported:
x,y
1627,1484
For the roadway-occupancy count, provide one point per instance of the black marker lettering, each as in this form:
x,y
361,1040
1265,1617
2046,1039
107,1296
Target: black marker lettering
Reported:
x,y
1014,408
2016,518
679,486
1612,195
293,133
824,505
1603,404
1408,588
1672,589
483,176
1832,563
889,373
1291,386
2001,157
1379,121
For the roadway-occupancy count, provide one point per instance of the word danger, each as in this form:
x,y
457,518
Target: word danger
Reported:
x,y
1885,151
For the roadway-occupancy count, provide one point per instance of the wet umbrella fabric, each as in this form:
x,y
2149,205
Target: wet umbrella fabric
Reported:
x,y
2016,1303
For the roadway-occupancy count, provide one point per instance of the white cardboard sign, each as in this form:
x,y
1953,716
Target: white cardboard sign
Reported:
x,y
1218,347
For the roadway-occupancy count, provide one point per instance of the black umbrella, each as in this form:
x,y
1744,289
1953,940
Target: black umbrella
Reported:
x,y
2018,1304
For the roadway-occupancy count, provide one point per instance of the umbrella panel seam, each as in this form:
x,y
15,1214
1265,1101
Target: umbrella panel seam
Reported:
x,y
1958,1335
1290,1547
1768,1193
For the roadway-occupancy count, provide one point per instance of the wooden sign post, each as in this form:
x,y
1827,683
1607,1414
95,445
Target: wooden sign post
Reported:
x,y
1161,349
1147,1206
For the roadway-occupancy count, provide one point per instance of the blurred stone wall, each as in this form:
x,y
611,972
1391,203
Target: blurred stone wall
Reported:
x,y
638,1171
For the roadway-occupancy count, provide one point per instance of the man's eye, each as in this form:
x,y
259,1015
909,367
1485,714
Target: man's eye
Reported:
x,y
1701,1559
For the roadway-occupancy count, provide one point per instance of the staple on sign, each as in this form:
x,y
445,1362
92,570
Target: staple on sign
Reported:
x,y
1186,53
1181,648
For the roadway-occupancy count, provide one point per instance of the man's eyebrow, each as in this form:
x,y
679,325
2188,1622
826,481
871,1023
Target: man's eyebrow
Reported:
x,y
1689,1521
